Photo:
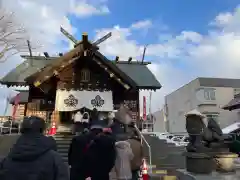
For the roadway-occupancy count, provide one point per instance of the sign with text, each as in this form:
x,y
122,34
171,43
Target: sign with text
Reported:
x,y
144,108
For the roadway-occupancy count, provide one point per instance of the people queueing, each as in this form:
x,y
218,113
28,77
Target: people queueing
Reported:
x,y
137,149
92,155
32,157
123,160
76,156
100,152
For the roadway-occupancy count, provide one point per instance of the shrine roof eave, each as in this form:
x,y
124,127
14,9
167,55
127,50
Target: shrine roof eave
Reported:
x,y
10,84
233,104
150,88
56,63
31,65
71,56
230,108
128,73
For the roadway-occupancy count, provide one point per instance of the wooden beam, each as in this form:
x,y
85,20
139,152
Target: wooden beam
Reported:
x,y
37,57
61,62
55,72
84,38
111,74
132,62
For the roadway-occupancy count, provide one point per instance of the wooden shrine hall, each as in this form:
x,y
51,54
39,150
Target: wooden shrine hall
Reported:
x,y
80,78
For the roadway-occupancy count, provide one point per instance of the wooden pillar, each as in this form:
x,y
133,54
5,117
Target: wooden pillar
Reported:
x,y
25,109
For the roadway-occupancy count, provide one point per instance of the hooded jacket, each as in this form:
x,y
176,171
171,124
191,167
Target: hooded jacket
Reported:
x,y
123,160
33,158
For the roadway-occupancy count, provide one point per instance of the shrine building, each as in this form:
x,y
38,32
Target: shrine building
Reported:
x,y
80,78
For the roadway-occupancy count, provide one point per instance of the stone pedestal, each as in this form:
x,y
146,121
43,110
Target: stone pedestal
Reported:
x,y
225,162
199,163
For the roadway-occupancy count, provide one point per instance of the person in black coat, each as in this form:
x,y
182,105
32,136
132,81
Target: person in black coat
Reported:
x,y
33,157
76,154
53,143
102,156
101,153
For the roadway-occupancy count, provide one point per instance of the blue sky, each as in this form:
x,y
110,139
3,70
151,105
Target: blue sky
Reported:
x,y
177,15
186,38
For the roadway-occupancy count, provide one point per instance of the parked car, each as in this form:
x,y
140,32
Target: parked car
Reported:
x,y
179,140
150,133
162,135
10,127
169,138
234,131
183,142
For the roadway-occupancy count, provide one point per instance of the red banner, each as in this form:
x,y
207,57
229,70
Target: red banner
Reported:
x,y
144,108
15,107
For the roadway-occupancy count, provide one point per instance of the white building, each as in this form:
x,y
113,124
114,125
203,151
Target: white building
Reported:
x,y
159,121
207,95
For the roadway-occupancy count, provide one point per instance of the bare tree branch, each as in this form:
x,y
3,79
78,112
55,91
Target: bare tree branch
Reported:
x,y
13,36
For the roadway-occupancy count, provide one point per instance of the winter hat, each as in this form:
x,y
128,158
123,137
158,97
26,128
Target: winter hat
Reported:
x,y
97,124
33,124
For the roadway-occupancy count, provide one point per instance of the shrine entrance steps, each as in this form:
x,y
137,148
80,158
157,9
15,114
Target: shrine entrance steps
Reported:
x,y
63,141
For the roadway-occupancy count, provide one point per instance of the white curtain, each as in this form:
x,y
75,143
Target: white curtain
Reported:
x,y
73,100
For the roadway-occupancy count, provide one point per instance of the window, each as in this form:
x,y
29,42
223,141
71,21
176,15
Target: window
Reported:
x,y
236,91
85,75
209,94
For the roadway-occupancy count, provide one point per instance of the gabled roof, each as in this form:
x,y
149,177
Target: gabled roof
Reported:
x,y
140,74
136,75
28,67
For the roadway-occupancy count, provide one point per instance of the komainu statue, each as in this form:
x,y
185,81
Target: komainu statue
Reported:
x,y
207,146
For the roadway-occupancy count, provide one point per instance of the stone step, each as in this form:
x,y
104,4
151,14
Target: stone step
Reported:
x,y
63,142
63,150
63,145
65,159
63,138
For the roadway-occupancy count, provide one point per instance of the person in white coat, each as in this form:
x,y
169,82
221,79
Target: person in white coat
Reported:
x,y
123,160
77,123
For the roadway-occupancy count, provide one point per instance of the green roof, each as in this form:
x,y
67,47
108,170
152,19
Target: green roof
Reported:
x,y
140,74
25,69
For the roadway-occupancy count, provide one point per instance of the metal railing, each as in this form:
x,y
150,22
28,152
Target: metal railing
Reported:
x,y
149,148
